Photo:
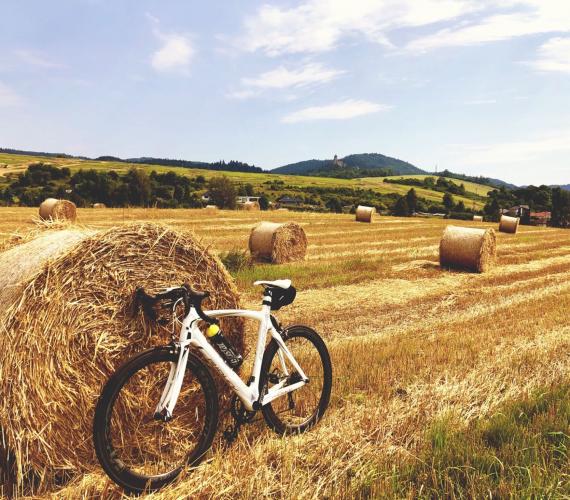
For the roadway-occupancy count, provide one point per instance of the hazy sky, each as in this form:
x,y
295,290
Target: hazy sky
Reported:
x,y
480,87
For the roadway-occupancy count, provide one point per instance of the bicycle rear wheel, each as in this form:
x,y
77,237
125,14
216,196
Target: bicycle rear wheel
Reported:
x,y
138,451
301,409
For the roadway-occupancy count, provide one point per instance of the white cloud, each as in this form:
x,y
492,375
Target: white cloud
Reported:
x,y
319,25
342,110
525,17
9,97
553,55
36,60
175,53
282,78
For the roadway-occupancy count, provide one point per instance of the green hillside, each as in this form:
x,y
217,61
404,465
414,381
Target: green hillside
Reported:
x,y
363,161
273,185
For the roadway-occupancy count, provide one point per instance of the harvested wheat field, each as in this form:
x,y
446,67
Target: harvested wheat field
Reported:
x,y
429,364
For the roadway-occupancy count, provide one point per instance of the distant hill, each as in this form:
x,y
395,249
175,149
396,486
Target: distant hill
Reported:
x,y
363,161
488,181
231,166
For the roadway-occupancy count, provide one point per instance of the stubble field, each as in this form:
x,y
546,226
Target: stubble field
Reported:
x,y
420,355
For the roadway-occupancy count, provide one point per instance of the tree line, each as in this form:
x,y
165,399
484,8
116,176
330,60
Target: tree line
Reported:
x,y
538,198
85,187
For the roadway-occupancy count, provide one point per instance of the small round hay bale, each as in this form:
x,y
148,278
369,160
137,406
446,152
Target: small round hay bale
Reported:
x,y
278,243
54,209
468,248
69,321
99,205
251,205
509,224
211,209
365,214
477,218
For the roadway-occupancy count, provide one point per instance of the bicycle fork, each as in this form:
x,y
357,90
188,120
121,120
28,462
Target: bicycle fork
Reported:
x,y
165,407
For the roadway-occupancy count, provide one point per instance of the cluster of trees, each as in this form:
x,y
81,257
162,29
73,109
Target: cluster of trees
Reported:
x,y
339,172
231,166
538,198
85,187
223,193
410,203
435,184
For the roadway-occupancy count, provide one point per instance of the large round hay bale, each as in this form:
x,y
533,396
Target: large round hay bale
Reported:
x,y
477,218
468,248
54,209
278,243
365,214
509,224
68,322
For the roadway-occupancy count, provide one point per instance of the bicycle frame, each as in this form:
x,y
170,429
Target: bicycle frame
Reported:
x,y
249,394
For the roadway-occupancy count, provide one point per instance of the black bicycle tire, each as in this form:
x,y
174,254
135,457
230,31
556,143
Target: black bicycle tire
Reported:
x,y
271,418
126,479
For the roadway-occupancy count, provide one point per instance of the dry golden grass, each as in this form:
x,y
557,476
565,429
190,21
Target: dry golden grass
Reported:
x,y
410,343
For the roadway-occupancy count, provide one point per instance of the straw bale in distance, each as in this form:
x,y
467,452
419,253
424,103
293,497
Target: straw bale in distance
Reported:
x,y
365,214
250,205
211,209
99,205
278,243
468,248
477,218
509,224
72,323
54,209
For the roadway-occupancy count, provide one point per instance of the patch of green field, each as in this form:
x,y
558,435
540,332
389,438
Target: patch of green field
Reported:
x,y
18,163
521,451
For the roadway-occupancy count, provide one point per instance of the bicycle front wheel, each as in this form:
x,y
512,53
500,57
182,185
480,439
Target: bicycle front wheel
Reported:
x,y
299,410
142,453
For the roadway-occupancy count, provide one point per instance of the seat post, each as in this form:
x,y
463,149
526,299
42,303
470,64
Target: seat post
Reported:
x,y
267,300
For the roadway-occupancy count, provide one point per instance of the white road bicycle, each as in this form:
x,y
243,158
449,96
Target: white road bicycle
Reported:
x,y
158,413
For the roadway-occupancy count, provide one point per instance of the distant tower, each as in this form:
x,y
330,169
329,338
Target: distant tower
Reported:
x,y
337,162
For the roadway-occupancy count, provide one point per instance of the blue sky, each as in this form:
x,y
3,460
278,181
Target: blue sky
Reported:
x,y
480,87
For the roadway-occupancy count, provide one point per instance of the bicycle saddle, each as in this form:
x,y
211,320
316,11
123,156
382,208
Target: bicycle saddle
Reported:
x,y
284,284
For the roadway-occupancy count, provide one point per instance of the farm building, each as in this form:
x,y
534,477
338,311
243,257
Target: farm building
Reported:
x,y
540,218
289,201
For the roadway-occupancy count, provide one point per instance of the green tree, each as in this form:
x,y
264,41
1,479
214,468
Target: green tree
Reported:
x,y
460,207
492,209
560,207
401,207
222,192
334,204
412,200
448,201
139,189
263,202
